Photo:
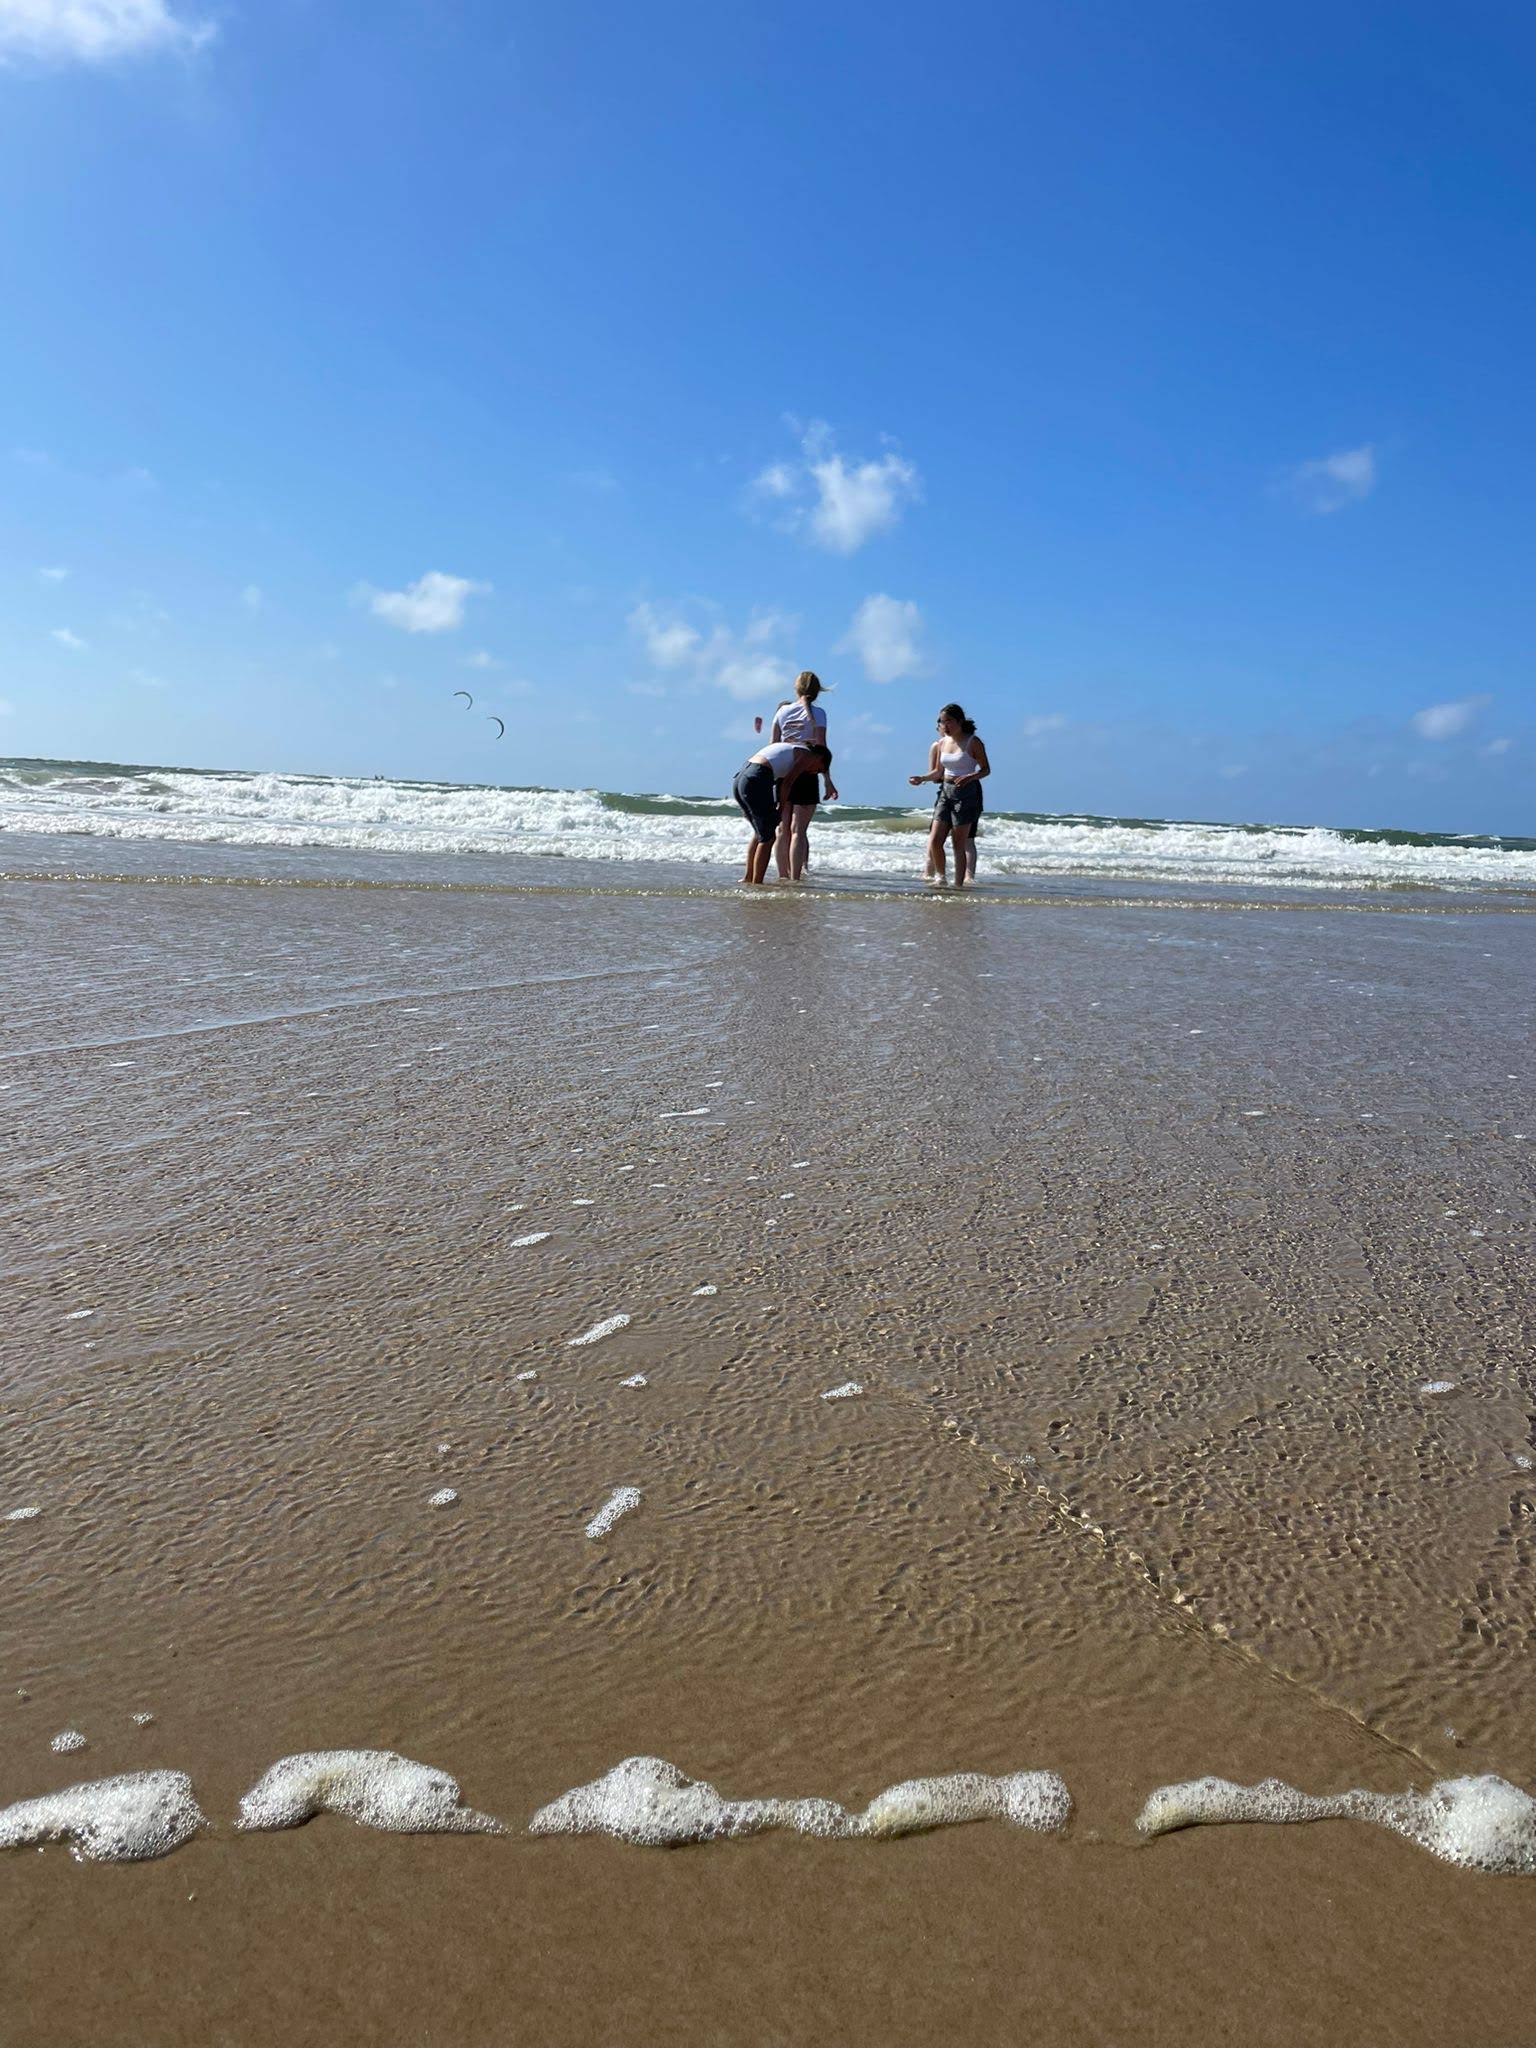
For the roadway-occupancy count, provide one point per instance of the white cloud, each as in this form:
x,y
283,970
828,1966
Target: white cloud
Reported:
x,y
748,665
861,738
1043,722
434,603
147,681
252,597
1334,481
840,504
95,31
7,708
776,481
884,635
1447,721
481,659
52,575
1496,747
668,642
67,639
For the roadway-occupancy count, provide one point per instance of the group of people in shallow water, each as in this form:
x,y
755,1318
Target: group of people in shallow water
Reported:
x,y
779,787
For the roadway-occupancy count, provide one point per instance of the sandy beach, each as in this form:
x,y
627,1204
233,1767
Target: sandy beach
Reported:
x,y
310,1188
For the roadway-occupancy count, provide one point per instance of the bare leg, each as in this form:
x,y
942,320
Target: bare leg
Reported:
x,y
764,854
938,868
800,845
781,847
970,856
965,856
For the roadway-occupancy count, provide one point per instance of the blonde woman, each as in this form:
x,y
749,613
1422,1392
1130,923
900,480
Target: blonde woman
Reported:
x,y
801,721
957,762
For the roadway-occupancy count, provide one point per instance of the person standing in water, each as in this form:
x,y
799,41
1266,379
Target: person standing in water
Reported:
x,y
801,721
958,762
762,789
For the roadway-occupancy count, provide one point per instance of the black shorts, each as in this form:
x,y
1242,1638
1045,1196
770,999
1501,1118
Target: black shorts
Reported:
x,y
758,794
805,789
957,804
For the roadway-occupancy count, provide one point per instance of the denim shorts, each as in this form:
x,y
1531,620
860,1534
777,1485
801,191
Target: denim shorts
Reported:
x,y
758,795
957,804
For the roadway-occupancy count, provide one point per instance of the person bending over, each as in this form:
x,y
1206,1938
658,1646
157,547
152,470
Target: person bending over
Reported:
x,y
803,722
958,762
762,788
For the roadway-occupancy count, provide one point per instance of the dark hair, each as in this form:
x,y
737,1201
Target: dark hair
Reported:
x,y
957,713
826,756
808,686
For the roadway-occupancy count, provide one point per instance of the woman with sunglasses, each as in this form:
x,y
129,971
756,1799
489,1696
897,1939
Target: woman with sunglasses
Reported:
x,y
957,762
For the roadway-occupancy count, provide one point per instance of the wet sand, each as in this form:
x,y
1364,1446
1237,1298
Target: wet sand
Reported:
x,y
1141,1228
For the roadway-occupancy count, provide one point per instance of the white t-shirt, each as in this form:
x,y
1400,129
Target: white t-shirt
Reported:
x,y
777,755
805,724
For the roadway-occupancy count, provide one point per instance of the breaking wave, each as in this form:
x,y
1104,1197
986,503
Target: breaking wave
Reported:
x,y
227,807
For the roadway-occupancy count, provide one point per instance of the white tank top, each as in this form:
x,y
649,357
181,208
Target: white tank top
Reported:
x,y
803,723
961,762
777,755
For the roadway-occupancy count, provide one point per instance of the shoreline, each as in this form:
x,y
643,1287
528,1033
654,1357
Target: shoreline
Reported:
x,y
1144,1482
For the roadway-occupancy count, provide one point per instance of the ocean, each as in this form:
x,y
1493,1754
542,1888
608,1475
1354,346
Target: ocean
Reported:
x,y
876,845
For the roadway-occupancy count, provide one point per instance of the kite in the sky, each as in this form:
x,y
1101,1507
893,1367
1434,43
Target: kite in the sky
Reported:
x,y
500,726
468,700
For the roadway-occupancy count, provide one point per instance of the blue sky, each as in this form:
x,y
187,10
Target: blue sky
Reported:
x,y
1153,379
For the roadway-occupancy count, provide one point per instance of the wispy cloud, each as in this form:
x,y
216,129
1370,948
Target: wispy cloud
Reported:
x,y
1496,747
885,635
861,738
1334,481
52,575
1042,723
96,31
669,641
253,597
1448,721
67,639
434,603
7,708
481,659
837,503
146,681
751,664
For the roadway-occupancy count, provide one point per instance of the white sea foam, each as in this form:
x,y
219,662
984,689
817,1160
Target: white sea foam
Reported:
x,y
653,1804
618,1503
142,1720
78,1315
110,1820
600,1330
230,808
445,1497
23,1514
1482,1823
707,1288
67,1741
846,1392
529,1375
1438,1387
373,1786
668,1114
531,1237
636,1379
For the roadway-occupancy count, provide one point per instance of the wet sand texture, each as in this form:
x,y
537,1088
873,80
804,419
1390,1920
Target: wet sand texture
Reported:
x,y
1144,1483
